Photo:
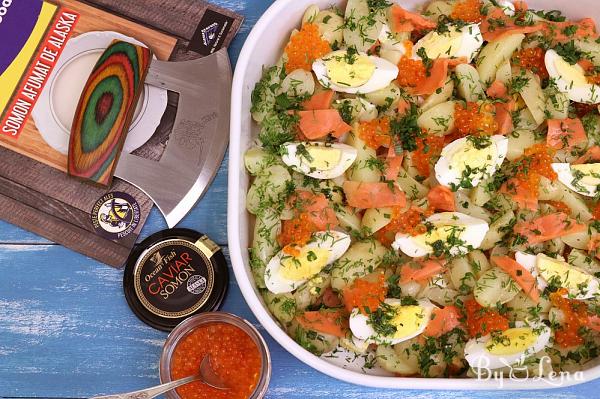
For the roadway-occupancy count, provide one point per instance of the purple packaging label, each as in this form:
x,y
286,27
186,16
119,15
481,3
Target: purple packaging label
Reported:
x,y
17,20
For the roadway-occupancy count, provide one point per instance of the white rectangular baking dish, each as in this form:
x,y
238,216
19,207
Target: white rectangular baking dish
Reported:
x,y
262,48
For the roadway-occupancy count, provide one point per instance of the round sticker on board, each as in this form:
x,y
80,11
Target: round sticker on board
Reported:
x,y
116,215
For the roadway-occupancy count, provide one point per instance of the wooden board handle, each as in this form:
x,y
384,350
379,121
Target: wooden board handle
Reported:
x,y
105,110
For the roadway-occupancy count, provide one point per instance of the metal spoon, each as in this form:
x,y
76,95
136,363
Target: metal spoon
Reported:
x,y
206,375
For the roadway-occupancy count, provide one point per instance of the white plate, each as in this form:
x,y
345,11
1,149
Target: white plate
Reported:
x,y
55,108
262,48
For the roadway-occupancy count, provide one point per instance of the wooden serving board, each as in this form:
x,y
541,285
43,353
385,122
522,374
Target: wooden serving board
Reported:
x,y
35,191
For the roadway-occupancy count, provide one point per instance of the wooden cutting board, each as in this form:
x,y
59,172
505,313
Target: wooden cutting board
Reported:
x,y
35,192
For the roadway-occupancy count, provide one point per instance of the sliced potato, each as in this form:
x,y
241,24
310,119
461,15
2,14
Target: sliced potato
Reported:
x,y
494,54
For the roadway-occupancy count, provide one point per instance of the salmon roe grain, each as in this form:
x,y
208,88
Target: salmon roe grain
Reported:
x,y
535,162
474,119
575,316
407,222
596,212
468,11
296,231
375,133
305,47
560,206
365,295
427,148
533,60
482,321
411,72
234,357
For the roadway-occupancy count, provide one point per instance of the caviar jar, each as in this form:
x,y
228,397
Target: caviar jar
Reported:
x,y
238,354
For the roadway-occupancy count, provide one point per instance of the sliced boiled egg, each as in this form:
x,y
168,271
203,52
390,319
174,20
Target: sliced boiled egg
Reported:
x,y
579,284
454,43
448,233
547,270
349,71
584,179
392,323
509,347
571,79
465,162
507,6
294,264
529,262
319,160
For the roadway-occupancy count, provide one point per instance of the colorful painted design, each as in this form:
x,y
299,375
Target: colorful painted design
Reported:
x,y
105,111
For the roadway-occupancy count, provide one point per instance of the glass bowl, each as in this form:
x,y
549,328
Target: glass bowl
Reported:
x,y
185,327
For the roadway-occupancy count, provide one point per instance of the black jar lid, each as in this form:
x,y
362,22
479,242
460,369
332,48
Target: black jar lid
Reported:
x,y
174,274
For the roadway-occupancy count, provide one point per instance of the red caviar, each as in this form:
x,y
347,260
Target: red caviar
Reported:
x,y
468,11
226,344
408,222
482,321
375,133
533,60
535,162
364,294
474,119
296,231
576,316
411,72
560,206
596,212
428,147
304,47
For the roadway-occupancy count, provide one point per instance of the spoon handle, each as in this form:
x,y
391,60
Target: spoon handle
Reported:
x,y
150,392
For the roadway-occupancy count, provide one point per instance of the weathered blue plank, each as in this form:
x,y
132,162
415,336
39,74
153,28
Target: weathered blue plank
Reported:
x,y
66,331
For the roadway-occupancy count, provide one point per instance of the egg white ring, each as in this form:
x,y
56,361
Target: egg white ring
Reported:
x,y
508,7
477,229
362,330
478,357
588,93
296,161
471,42
565,176
591,290
529,262
447,176
385,72
336,242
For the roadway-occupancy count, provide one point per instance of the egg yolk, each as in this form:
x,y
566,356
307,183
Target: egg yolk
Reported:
x,y
590,173
441,45
305,264
408,320
569,277
349,70
441,231
512,341
574,74
468,155
323,158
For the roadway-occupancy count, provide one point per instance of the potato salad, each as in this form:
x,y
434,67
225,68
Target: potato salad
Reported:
x,y
425,187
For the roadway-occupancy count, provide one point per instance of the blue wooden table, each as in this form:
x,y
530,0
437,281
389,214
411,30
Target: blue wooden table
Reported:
x,y
67,332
